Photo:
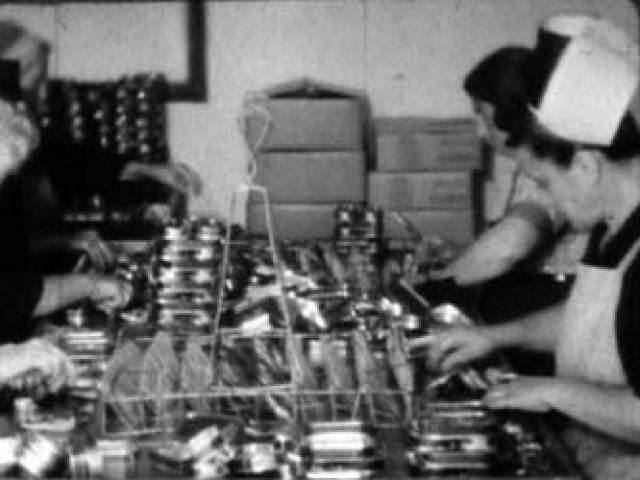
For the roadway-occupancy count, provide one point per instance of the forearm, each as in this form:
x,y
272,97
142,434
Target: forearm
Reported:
x,y
612,410
496,251
537,331
60,291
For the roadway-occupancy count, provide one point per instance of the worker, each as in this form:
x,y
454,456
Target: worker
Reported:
x,y
583,148
528,245
25,295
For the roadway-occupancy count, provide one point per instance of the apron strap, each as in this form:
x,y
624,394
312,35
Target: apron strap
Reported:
x,y
629,256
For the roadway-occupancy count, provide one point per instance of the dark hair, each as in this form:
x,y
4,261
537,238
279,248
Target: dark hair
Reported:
x,y
500,79
624,146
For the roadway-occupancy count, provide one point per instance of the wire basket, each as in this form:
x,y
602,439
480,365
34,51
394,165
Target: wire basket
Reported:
x,y
252,379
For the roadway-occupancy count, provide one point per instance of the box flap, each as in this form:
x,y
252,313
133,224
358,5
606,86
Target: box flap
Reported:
x,y
307,88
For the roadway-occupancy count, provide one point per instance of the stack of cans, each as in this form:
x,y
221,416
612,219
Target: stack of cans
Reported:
x,y
186,271
357,226
126,118
88,341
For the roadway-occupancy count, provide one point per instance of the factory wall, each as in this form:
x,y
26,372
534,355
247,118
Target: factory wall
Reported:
x,y
408,56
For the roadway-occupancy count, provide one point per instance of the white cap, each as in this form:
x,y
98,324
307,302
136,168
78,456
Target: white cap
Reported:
x,y
592,81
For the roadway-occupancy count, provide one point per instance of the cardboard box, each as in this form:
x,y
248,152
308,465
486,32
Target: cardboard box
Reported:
x,y
410,144
306,115
293,221
457,226
421,190
309,177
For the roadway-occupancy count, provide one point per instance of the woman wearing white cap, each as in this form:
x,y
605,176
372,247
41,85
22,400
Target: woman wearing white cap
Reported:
x,y
586,154
529,245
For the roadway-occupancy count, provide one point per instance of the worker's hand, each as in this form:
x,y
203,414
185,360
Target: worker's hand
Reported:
x,y
178,176
453,347
110,293
532,394
36,366
96,252
157,213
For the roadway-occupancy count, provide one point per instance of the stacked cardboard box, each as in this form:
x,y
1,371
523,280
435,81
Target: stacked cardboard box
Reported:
x,y
310,160
427,170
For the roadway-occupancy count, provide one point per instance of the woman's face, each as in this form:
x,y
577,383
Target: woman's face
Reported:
x,y
487,130
569,188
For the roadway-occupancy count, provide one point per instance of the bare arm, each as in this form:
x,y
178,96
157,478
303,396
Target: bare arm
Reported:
x,y
453,347
537,331
500,247
60,291
613,410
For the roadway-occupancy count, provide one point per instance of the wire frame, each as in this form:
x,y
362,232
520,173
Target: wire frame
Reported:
x,y
244,190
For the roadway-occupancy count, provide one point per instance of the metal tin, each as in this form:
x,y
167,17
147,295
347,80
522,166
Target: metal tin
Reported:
x,y
173,232
87,464
118,458
332,460
197,317
172,458
449,314
210,470
87,342
9,448
89,372
339,426
446,462
473,420
456,442
40,455
202,442
259,322
76,317
208,231
413,324
257,458
339,474
189,251
339,441
181,296
137,316
184,274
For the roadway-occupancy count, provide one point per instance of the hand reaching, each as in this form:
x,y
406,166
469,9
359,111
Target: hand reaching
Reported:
x,y
95,250
37,366
523,393
110,293
178,176
453,347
